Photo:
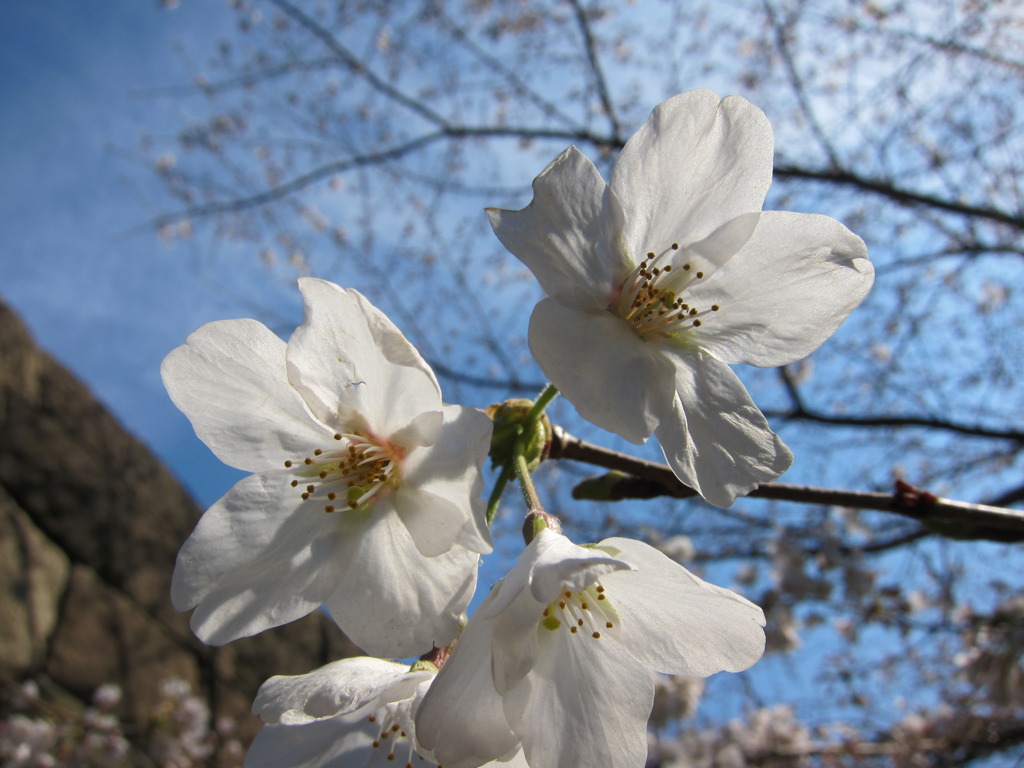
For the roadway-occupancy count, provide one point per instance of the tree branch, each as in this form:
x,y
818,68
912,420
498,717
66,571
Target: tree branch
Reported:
x,y
601,142
800,412
595,67
356,65
796,82
647,479
893,192
297,184
971,430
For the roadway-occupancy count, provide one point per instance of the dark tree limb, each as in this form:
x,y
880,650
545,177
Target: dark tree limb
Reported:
x,y
600,82
891,191
647,479
971,430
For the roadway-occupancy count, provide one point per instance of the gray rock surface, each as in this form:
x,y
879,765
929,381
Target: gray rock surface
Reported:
x,y
90,524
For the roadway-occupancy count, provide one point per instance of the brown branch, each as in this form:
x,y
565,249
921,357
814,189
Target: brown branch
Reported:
x,y
971,430
506,74
945,46
447,131
647,479
904,196
356,65
297,184
595,67
833,175
242,81
796,82
280,191
800,412
1009,497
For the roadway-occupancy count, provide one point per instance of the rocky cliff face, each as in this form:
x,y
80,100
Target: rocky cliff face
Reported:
x,y
90,523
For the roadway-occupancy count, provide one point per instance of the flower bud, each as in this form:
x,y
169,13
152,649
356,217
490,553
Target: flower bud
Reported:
x,y
512,434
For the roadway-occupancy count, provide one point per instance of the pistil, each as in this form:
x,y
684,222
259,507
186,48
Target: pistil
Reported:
x,y
348,475
652,297
585,612
390,736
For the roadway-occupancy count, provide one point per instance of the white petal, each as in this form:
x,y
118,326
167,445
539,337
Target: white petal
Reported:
x,y
559,564
333,716
334,689
674,622
714,438
584,704
439,496
424,429
695,164
461,720
330,743
395,602
707,256
257,560
564,235
351,364
402,711
518,760
230,379
615,379
435,523
516,614
549,565
785,291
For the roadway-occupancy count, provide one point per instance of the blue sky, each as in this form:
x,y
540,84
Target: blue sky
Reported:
x,y
97,289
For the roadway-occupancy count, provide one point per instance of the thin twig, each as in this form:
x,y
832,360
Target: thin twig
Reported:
x,y
796,82
953,519
356,65
595,67
886,188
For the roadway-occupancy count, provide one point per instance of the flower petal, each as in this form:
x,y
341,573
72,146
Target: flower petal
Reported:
x,y
565,235
395,602
549,565
229,378
334,689
439,496
343,741
614,378
714,438
707,256
423,430
352,365
435,523
584,703
257,560
561,565
674,622
461,720
785,291
695,164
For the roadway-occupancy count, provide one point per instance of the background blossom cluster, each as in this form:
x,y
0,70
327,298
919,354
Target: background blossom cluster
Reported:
x,y
366,489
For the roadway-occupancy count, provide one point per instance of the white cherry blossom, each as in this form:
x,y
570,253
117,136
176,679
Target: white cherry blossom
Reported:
x,y
560,657
659,279
366,492
352,713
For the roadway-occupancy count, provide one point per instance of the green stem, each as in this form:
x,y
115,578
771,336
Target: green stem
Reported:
x,y
522,468
518,463
499,489
543,401
526,485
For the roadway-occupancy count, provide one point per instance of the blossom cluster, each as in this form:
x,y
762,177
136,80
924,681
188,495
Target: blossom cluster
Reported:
x,y
365,492
39,734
